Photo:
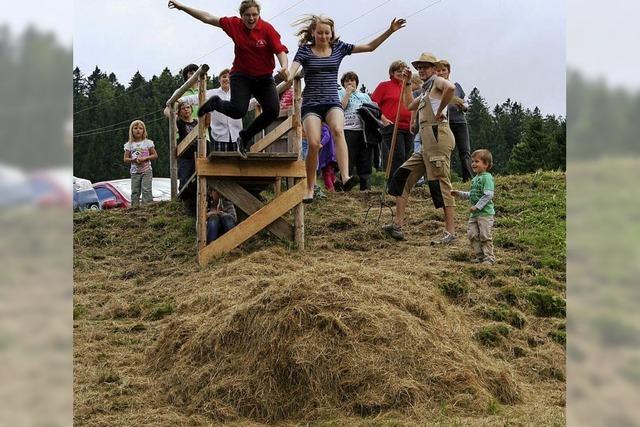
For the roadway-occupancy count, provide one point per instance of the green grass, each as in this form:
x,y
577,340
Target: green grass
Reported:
x,y
492,335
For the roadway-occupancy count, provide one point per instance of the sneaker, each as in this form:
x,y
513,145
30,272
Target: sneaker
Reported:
x,y
241,148
488,261
351,182
445,239
209,105
394,231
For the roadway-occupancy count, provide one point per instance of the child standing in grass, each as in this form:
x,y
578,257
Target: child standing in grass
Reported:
x,y
139,151
479,229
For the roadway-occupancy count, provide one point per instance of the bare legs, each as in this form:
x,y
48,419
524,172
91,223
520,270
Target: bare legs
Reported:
x,y
313,129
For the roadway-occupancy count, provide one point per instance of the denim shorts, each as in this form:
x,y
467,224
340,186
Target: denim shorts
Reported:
x,y
318,110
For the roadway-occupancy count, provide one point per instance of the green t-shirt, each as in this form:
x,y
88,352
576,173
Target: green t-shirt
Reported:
x,y
194,108
479,184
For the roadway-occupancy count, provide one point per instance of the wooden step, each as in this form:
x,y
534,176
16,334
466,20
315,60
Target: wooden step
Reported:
x,y
233,167
253,156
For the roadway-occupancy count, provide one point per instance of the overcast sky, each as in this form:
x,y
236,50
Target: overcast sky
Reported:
x,y
507,48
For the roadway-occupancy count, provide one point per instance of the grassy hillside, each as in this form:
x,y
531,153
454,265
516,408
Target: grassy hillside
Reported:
x,y
357,330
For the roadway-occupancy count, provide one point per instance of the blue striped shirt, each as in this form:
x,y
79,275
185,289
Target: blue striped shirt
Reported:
x,y
321,73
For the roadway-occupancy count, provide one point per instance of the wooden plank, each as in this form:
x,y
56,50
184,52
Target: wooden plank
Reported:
x,y
298,214
201,219
272,137
187,141
202,129
173,162
186,85
274,155
244,168
297,123
256,222
249,205
202,181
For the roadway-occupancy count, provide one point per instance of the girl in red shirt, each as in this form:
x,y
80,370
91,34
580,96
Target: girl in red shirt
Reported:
x,y
255,44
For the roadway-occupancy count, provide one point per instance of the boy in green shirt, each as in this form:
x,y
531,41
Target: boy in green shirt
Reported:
x,y
479,228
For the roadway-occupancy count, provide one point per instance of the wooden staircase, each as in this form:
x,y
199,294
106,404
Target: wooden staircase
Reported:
x,y
227,171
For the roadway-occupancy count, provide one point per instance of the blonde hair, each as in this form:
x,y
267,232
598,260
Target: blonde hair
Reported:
x,y
397,66
309,24
246,4
415,79
144,130
484,155
223,72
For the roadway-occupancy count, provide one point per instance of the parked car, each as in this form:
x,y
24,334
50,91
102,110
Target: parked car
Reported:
x,y
14,187
51,187
117,193
84,196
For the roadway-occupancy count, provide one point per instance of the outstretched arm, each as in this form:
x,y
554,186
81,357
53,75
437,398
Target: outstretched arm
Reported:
x,y
201,15
396,24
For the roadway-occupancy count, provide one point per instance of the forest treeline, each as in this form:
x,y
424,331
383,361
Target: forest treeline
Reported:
x,y
522,140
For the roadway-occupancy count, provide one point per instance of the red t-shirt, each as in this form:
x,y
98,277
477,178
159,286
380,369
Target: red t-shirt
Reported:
x,y
387,96
254,49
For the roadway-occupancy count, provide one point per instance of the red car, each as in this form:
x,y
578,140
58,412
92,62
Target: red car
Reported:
x,y
117,193
112,194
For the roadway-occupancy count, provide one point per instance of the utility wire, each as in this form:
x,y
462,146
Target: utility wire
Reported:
x,y
194,61
90,132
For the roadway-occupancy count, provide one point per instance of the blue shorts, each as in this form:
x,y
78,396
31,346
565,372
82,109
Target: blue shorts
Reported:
x,y
318,110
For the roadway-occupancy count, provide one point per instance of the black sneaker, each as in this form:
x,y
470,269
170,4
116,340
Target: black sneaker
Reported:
x,y
241,148
351,182
209,105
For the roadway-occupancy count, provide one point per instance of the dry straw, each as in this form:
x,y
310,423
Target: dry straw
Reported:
x,y
295,344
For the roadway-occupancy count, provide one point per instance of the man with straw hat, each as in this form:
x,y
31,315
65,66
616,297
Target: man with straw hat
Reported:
x,y
437,145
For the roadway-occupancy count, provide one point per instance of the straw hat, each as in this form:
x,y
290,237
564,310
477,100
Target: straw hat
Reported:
x,y
425,57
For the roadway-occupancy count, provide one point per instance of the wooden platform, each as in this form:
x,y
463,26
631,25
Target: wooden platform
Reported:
x,y
273,157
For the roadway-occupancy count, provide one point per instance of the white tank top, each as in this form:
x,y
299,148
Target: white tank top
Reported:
x,y
435,103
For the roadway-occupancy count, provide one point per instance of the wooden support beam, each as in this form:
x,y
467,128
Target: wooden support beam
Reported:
x,y
256,222
244,168
249,205
298,213
173,162
187,141
272,136
202,181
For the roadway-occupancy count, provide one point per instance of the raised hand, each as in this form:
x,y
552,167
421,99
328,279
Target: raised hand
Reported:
x,y
396,24
173,5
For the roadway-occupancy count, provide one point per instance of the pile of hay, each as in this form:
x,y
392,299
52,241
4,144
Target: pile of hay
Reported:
x,y
280,339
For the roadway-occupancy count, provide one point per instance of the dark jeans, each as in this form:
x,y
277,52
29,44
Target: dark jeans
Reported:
x,y
403,150
219,224
263,90
360,157
186,168
461,135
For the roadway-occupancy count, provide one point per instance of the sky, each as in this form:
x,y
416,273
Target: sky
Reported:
x,y
507,48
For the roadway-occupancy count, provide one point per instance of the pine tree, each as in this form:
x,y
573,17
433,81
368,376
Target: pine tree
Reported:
x,y
535,151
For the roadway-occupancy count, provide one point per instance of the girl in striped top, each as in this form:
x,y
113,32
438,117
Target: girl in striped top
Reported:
x,y
320,54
